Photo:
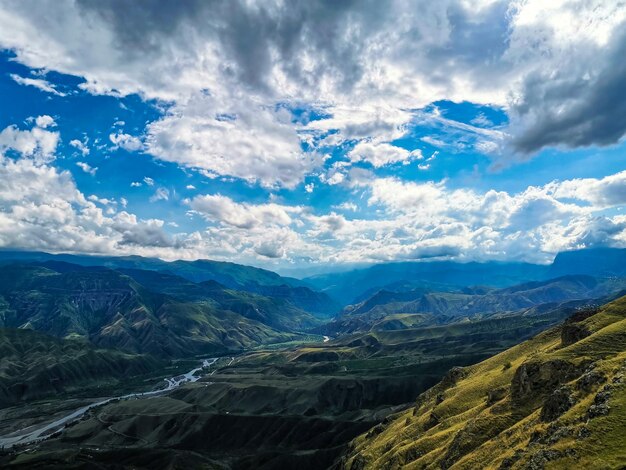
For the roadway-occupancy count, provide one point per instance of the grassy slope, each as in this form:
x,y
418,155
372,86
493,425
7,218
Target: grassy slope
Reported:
x,y
454,425
34,365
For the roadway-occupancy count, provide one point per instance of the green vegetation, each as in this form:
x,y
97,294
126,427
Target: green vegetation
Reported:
x,y
34,366
283,396
561,404
112,310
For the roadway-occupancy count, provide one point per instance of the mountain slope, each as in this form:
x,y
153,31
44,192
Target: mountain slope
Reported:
x,y
384,309
349,286
555,401
231,275
112,310
34,365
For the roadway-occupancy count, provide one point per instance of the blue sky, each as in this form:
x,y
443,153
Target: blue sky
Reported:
x,y
186,133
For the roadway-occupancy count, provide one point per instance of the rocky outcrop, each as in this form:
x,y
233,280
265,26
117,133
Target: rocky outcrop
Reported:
x,y
495,395
453,376
572,330
535,379
572,333
589,380
557,403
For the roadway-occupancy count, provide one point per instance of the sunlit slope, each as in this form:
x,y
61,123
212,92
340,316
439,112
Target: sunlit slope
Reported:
x,y
555,401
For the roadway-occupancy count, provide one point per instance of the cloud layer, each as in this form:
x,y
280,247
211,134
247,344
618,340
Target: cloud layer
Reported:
x,y
225,65
297,99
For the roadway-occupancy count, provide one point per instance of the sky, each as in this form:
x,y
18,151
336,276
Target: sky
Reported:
x,y
309,135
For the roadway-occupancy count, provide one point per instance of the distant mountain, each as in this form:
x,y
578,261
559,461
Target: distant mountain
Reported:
x,y
603,262
232,275
349,286
555,401
35,365
356,285
113,310
389,310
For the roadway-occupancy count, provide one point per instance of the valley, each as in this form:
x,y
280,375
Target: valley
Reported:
x,y
107,365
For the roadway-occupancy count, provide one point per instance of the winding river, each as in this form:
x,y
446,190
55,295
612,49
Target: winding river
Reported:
x,y
21,437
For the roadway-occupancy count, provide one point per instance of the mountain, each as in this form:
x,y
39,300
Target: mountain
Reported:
x,y
295,407
348,286
230,275
354,286
555,401
35,365
112,310
285,297
599,262
389,310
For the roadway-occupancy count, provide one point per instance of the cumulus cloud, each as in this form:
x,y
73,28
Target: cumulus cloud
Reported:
x,y
381,154
41,208
35,142
553,66
126,141
80,146
573,96
222,209
247,141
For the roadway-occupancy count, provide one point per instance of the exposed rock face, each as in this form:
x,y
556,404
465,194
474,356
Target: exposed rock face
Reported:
x,y
453,376
495,395
557,403
539,460
600,405
572,333
535,379
433,420
589,380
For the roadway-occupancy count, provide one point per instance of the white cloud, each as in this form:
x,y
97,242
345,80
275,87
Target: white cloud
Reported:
x,y
126,141
148,181
222,209
190,187
44,121
309,187
38,83
372,67
245,140
381,154
346,206
36,142
80,146
135,184
41,208
87,168
161,194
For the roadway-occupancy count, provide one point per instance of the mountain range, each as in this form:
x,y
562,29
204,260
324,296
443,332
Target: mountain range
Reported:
x,y
315,373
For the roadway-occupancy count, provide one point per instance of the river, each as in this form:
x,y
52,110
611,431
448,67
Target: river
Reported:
x,y
45,431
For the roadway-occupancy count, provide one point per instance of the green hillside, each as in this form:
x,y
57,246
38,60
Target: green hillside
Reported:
x,y
112,310
34,365
387,310
556,401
